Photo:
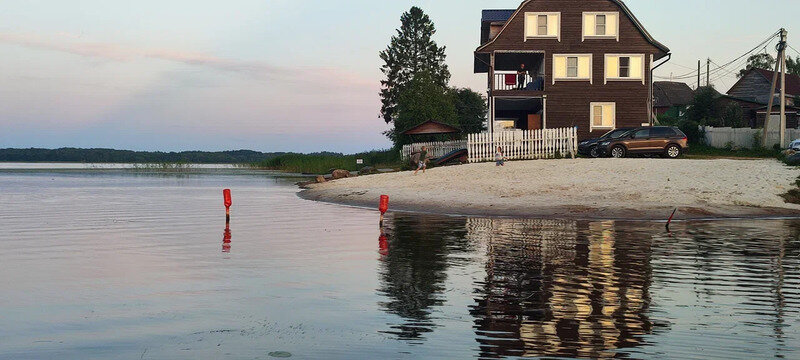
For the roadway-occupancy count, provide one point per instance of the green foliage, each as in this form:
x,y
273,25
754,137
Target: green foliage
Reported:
x,y
470,110
793,65
410,52
423,100
127,156
705,151
702,110
732,116
323,163
758,61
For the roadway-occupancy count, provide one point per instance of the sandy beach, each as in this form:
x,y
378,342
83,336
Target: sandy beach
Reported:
x,y
647,189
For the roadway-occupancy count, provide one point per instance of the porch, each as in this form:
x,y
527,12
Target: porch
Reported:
x,y
503,70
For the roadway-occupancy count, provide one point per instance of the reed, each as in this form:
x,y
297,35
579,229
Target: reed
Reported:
x,y
324,163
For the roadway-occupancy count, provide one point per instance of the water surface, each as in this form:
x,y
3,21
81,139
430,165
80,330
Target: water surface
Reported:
x,y
119,264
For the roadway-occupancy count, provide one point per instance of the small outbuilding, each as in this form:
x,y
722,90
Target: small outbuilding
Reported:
x,y
432,128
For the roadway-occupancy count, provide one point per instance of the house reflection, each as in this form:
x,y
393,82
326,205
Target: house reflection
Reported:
x,y
560,288
414,268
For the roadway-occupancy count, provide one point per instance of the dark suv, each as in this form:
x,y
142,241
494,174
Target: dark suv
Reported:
x,y
658,140
589,147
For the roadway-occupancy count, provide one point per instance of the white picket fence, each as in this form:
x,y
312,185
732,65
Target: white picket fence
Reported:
x,y
720,137
523,144
435,149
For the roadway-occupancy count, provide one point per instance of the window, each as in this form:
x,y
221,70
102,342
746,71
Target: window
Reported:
x,y
662,132
601,25
642,134
541,22
624,67
603,116
572,67
543,25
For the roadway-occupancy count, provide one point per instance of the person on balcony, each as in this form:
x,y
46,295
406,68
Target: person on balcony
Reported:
x,y
521,74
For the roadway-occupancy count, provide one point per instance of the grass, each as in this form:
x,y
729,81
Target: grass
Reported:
x,y
707,152
323,163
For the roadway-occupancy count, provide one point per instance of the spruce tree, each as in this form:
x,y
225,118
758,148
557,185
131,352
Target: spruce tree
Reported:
x,y
410,52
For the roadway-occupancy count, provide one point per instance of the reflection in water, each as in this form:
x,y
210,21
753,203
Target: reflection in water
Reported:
x,y
414,269
226,239
604,289
550,290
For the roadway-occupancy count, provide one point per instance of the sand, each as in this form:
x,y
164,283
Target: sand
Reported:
x,y
646,189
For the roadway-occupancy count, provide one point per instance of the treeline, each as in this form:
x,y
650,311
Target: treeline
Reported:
x,y
128,156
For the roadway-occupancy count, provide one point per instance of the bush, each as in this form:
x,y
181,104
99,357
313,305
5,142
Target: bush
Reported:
x,y
323,163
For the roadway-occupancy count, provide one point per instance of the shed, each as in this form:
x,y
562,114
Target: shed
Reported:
x,y
431,127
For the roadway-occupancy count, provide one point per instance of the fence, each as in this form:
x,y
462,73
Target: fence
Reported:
x,y
523,144
435,149
745,137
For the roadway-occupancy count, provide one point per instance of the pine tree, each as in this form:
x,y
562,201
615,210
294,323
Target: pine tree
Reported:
x,y
410,52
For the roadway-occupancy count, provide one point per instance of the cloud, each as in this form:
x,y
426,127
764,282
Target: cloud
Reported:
x,y
258,70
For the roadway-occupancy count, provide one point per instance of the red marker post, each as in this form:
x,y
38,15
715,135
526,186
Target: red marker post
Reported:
x,y
228,202
383,207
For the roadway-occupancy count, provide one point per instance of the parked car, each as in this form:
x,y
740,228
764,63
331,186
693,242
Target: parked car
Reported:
x,y
668,141
589,147
795,145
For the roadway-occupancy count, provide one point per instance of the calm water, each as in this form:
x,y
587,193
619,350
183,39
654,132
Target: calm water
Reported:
x,y
114,264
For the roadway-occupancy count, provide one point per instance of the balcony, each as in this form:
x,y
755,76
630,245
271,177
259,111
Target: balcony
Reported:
x,y
509,81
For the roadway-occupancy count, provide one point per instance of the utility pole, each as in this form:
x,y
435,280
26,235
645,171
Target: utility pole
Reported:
x,y
782,57
778,64
708,72
698,74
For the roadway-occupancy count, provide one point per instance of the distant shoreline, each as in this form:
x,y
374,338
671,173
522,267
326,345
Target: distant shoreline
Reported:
x,y
536,189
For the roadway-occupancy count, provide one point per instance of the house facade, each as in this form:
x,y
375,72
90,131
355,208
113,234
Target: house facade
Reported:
x,y
587,64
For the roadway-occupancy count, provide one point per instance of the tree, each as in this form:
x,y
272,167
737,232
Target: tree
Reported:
x,y
793,65
732,115
410,52
758,61
703,108
423,99
470,110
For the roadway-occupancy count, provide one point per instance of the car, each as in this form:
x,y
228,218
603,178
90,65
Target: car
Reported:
x,y
589,147
795,145
667,141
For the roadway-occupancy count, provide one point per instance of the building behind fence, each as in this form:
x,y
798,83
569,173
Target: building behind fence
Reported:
x,y
517,145
722,137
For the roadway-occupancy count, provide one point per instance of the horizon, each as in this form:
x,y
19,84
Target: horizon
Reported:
x,y
91,74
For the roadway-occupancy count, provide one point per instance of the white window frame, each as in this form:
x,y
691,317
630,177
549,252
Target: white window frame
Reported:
x,y
592,127
594,13
590,79
537,14
637,79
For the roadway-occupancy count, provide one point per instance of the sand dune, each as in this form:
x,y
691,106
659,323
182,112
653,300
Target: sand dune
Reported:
x,y
580,188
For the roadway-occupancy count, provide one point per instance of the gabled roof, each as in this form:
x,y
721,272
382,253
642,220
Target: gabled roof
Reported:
x,y
669,94
431,127
497,15
619,3
792,81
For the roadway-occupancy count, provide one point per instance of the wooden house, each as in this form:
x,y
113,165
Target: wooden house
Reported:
x,y
588,64
756,84
671,96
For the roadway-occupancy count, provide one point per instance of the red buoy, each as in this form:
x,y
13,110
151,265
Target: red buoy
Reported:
x,y
226,194
384,206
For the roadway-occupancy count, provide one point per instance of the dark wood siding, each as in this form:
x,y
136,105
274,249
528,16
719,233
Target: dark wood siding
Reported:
x,y
753,87
568,102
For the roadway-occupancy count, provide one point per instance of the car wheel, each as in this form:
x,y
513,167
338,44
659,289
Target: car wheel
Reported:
x,y
673,151
593,152
618,152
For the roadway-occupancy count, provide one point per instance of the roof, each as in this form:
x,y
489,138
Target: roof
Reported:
x,y
431,127
669,94
497,15
619,3
792,81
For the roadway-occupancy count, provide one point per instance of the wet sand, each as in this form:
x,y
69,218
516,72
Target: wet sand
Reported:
x,y
642,189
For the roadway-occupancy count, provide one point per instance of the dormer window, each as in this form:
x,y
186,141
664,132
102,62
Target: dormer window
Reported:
x,y
542,25
601,25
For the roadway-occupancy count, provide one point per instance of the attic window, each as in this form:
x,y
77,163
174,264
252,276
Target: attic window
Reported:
x,y
539,25
601,25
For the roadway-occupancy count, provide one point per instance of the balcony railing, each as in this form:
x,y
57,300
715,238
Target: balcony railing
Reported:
x,y
510,81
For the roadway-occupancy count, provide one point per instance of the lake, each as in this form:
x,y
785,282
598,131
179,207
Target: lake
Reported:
x,y
110,263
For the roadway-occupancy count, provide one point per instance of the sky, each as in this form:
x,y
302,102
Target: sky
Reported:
x,y
273,75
